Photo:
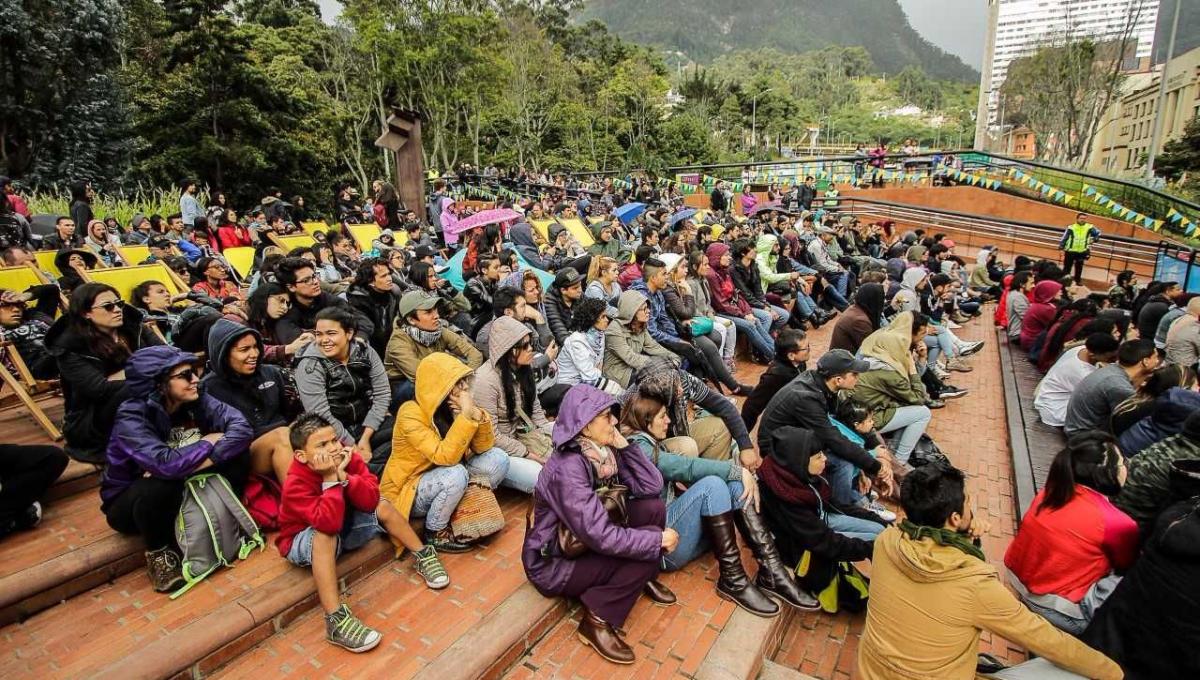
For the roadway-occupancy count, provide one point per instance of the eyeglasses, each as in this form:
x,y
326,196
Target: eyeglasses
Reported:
x,y
109,307
311,278
186,375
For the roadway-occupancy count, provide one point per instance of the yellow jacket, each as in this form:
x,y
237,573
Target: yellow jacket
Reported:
x,y
929,603
417,445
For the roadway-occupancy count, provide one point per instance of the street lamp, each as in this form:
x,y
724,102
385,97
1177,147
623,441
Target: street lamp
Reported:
x,y
754,118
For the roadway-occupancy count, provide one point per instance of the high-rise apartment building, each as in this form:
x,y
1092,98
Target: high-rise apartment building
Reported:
x,y
1016,28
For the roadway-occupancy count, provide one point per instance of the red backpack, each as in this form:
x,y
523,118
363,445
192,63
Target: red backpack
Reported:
x,y
263,500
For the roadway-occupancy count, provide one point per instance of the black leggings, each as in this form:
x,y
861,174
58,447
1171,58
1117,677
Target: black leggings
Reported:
x,y
150,505
25,474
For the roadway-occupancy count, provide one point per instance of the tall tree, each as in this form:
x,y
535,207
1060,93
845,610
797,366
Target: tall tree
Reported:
x,y
62,116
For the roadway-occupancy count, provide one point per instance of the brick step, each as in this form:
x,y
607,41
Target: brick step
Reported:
x,y
72,551
125,630
477,627
703,636
773,671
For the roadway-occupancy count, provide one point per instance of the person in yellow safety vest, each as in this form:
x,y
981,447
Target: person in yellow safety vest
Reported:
x,y
831,196
1076,244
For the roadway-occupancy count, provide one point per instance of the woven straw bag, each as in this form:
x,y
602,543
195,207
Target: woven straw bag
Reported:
x,y
478,514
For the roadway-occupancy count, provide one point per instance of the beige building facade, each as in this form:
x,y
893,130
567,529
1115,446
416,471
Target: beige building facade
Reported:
x,y
1123,141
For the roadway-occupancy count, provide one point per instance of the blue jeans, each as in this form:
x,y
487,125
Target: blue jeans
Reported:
x,y
781,321
853,527
440,489
707,497
761,342
362,527
913,420
939,342
805,305
840,474
522,474
835,289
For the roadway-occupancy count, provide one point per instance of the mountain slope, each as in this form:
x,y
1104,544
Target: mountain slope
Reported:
x,y
705,29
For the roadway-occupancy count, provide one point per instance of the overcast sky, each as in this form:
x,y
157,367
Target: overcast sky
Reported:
x,y
956,26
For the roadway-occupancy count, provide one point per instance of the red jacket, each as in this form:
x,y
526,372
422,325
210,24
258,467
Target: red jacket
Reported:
x,y
1065,551
232,236
305,504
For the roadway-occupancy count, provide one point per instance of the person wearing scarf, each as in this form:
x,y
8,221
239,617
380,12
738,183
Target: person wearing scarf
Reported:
x,y
860,319
798,505
419,333
1041,313
933,594
731,305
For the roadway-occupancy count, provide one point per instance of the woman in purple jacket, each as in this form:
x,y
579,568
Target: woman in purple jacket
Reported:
x,y
622,561
166,431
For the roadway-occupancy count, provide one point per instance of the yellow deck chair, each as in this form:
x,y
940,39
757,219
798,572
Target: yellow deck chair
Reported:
x,y
241,259
20,278
125,279
580,232
133,254
364,234
21,382
45,260
292,241
543,227
311,228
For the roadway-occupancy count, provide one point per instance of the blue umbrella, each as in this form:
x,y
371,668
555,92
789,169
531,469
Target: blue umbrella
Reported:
x,y
629,212
680,216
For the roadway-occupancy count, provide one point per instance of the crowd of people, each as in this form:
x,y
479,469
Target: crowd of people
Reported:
x,y
360,389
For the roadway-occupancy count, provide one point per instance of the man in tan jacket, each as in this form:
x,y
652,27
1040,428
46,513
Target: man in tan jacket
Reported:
x,y
420,332
932,592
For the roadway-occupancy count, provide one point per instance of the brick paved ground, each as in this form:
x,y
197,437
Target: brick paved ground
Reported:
x,y
420,624
972,432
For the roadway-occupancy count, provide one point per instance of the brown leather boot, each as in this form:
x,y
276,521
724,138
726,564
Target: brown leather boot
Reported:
x,y
733,585
659,593
773,576
598,634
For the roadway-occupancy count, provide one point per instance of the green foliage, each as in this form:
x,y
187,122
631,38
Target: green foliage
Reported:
x,y
61,116
148,202
1179,161
703,30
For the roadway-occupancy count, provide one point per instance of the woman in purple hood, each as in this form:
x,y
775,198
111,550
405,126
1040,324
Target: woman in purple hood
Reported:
x,y
622,561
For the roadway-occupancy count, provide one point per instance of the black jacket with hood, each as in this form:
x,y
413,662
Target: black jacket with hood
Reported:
x,y
807,403
87,391
260,397
777,375
381,309
801,527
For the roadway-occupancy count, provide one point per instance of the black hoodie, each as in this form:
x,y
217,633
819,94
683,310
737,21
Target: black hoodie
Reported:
x,y
261,397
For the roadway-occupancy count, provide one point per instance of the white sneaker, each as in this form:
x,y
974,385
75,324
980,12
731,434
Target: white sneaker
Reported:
x,y
878,508
951,325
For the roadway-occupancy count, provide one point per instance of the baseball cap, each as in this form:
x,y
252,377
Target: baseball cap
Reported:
x,y
567,277
824,230
417,299
838,362
423,251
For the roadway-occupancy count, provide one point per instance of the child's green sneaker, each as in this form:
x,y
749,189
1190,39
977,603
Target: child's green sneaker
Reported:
x,y
430,568
345,630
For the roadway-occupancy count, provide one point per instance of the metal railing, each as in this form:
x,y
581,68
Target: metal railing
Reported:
x,y
1111,254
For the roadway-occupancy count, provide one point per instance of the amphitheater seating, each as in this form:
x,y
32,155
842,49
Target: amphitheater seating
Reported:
x,y
241,259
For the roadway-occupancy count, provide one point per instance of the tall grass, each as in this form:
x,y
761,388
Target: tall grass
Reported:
x,y
147,202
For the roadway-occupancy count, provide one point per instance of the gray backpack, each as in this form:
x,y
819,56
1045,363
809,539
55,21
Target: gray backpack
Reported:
x,y
213,528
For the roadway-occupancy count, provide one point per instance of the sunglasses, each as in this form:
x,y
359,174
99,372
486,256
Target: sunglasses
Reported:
x,y
187,375
109,307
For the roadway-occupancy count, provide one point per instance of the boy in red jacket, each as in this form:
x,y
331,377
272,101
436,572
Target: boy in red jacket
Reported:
x,y
330,504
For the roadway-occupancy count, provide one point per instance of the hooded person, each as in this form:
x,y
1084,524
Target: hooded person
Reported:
x,y
167,429
441,439
860,319
607,243
910,283
1146,491
892,386
915,256
506,390
729,303
521,235
811,532
628,346
1148,624
560,298
1167,417
1041,313
621,558
239,376
933,593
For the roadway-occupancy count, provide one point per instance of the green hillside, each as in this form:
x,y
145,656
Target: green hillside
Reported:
x,y
704,29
